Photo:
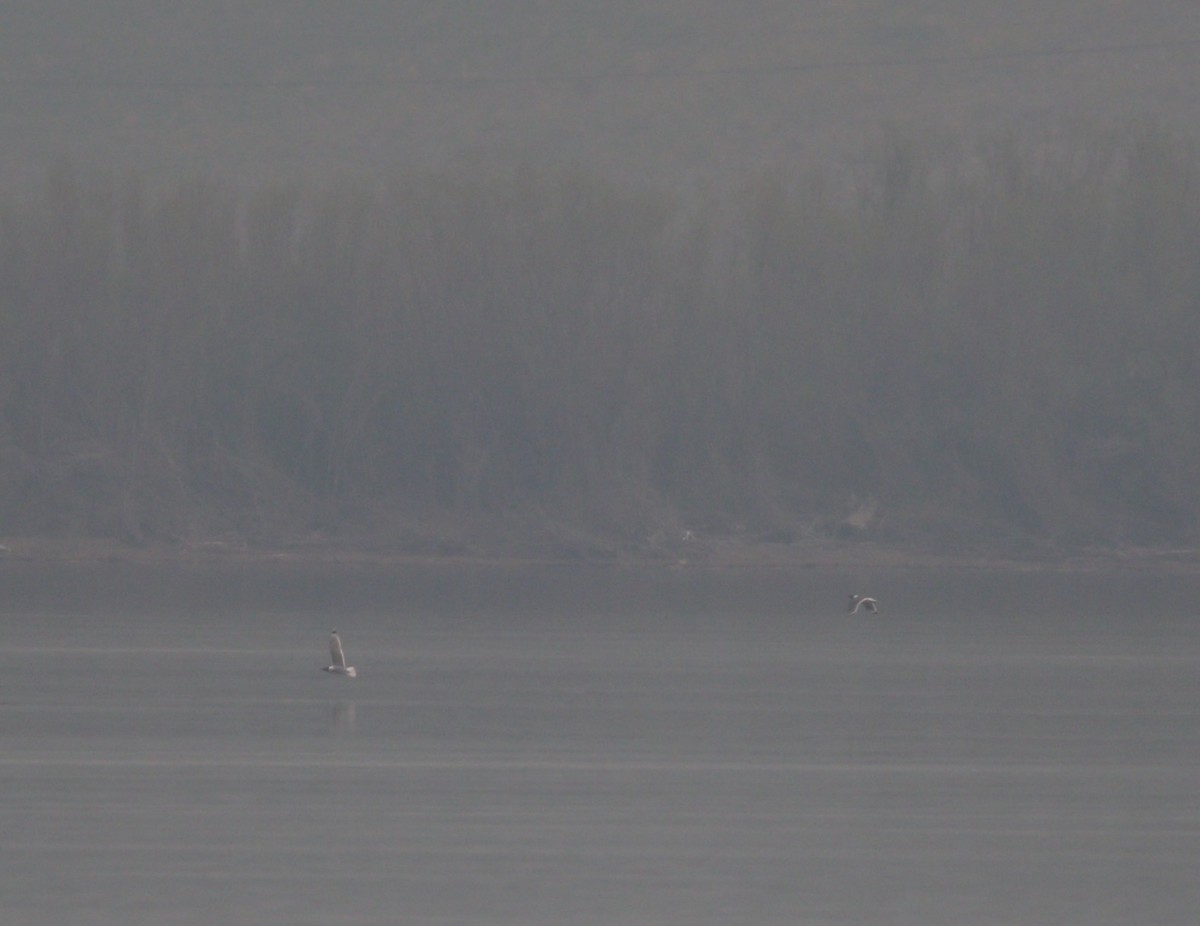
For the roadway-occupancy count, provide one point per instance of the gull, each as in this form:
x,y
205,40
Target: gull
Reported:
x,y
860,601
339,666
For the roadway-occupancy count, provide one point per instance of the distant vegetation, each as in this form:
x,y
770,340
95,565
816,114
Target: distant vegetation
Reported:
x,y
994,348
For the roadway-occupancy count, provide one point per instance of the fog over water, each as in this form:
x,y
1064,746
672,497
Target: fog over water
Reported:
x,y
465,277
598,746
676,283
679,91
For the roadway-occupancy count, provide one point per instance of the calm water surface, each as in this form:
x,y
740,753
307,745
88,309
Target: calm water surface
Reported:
x,y
597,746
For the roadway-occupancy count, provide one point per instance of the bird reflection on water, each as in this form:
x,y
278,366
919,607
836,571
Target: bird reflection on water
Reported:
x,y
342,718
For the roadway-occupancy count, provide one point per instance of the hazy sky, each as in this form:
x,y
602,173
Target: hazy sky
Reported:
x,y
667,90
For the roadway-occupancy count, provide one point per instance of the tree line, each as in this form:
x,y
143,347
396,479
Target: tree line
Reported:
x,y
995,345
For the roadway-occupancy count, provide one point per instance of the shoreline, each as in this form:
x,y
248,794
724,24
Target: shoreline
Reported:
x,y
726,555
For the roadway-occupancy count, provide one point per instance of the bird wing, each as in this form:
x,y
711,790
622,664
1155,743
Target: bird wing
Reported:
x,y
335,650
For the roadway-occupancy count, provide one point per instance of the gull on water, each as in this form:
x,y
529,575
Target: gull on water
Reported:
x,y
861,601
338,656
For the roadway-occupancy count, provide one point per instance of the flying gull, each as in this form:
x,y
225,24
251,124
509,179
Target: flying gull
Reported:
x,y
860,601
338,656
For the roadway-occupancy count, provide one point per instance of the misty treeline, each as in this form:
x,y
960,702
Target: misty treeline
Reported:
x,y
996,345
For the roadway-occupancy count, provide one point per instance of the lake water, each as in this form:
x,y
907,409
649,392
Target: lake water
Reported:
x,y
597,746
